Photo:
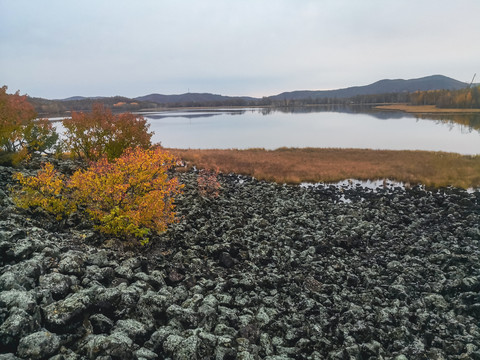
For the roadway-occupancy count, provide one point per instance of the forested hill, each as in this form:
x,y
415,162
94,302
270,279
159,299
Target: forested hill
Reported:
x,y
194,98
434,82
155,101
61,107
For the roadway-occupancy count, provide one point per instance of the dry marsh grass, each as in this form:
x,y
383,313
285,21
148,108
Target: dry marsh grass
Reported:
x,y
296,165
425,109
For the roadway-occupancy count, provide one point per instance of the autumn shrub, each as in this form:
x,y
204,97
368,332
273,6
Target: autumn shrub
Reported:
x,y
21,133
208,184
101,133
46,190
130,197
15,111
39,136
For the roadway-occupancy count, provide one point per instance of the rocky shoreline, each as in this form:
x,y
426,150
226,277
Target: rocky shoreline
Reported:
x,y
263,271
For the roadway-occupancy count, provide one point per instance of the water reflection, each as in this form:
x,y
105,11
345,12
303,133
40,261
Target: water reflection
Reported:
x,y
470,122
341,108
314,126
192,114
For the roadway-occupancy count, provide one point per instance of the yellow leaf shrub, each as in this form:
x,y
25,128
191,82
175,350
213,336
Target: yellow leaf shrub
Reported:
x,y
45,190
130,196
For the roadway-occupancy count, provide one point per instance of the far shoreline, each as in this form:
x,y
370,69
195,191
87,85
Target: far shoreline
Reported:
x,y
425,109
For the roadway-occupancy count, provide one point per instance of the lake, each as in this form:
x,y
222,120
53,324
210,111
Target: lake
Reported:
x,y
270,129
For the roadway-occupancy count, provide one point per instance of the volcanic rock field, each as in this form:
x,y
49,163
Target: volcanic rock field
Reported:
x,y
263,271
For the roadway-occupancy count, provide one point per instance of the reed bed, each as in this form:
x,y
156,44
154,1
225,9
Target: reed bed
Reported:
x,y
430,109
296,165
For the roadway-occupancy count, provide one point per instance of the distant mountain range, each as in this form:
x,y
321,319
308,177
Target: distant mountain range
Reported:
x,y
434,82
152,101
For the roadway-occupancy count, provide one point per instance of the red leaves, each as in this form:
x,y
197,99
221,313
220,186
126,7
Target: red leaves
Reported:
x,y
15,113
93,135
208,184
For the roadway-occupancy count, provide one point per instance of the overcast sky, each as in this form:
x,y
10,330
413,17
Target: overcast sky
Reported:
x,y
61,48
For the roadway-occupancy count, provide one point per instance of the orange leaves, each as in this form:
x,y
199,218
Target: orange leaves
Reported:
x,y
20,132
463,98
93,135
87,135
130,196
15,112
14,108
208,184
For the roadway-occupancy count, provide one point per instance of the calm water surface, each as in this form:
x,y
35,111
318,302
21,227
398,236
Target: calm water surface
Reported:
x,y
257,128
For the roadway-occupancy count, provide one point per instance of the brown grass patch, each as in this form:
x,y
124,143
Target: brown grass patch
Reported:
x,y
425,109
296,165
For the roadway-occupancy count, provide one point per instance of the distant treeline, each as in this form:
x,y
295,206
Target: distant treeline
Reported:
x,y
387,98
117,104
65,107
236,102
464,98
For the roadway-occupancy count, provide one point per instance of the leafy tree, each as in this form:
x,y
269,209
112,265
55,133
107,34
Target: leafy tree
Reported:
x,y
476,97
39,136
98,133
15,112
463,98
20,131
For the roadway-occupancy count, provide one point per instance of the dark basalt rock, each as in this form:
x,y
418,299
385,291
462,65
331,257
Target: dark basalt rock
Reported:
x,y
67,312
175,276
263,271
100,323
38,345
58,285
226,260
18,324
116,346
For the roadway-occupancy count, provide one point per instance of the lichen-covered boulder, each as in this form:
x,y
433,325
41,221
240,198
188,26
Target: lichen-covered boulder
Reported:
x,y
39,345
